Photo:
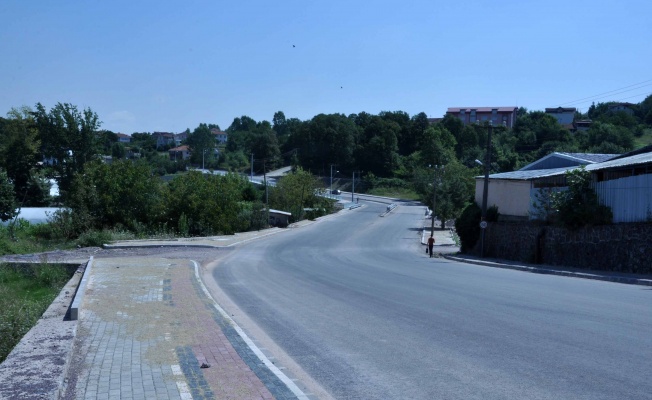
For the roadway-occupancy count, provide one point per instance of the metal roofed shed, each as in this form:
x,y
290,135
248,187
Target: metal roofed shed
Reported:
x,y
561,159
512,192
279,218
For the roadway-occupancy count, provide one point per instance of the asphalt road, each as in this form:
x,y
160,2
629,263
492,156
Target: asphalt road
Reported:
x,y
357,304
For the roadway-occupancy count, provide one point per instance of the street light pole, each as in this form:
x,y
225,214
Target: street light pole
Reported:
x,y
202,159
485,192
434,200
331,190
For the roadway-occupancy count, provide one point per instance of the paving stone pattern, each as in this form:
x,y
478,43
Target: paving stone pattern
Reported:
x,y
146,328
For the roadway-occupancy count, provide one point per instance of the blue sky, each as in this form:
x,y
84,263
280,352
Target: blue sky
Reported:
x,y
147,66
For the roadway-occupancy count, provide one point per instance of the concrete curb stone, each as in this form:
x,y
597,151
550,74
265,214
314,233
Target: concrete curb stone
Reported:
x,y
594,275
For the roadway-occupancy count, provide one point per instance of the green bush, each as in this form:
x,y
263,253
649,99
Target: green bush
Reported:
x,y
467,225
94,238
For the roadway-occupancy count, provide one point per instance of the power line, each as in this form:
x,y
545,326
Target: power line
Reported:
x,y
611,91
621,98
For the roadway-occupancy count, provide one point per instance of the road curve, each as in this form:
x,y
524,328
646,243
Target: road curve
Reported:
x,y
361,310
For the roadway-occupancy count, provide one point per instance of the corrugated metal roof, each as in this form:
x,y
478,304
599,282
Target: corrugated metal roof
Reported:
x,y
528,175
590,157
622,162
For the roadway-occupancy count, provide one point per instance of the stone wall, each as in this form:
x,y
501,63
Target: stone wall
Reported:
x,y
618,247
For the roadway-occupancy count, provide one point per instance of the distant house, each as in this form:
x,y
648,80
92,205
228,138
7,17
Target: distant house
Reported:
x,y
179,153
582,125
122,138
163,139
621,107
505,116
564,115
220,136
180,138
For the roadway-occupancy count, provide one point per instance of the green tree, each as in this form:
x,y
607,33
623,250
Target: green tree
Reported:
x,y
603,137
121,194
209,204
579,205
68,138
325,139
202,145
8,205
296,191
378,150
454,187
19,150
438,147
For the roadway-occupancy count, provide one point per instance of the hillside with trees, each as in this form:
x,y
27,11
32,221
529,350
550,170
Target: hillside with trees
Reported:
x,y
388,152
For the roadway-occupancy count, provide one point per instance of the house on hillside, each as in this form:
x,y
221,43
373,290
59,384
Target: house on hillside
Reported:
x,y
123,138
621,107
505,116
564,116
180,138
582,125
163,139
220,136
179,153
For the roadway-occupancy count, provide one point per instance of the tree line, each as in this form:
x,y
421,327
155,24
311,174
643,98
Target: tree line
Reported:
x,y
391,148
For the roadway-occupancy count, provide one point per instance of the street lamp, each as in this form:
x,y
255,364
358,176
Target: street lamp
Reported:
x,y
485,192
331,193
434,199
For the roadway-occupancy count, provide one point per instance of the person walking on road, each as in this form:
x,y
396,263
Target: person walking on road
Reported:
x,y
431,244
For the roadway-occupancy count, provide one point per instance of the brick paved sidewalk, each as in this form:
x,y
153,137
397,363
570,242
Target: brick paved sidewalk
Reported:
x,y
146,328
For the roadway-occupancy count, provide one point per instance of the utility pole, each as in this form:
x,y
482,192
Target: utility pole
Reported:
x,y
434,199
266,191
353,187
331,193
485,192
251,176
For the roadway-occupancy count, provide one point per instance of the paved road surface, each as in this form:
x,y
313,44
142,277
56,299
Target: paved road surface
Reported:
x,y
356,303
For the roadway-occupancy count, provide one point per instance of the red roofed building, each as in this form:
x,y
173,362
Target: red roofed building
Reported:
x,y
497,116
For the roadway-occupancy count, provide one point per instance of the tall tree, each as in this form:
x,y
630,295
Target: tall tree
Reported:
x,y
202,144
68,138
19,149
8,205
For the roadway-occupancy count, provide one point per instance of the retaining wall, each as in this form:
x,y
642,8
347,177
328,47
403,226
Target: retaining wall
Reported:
x,y
618,247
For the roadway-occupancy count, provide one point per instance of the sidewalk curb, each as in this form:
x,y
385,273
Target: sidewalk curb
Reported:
x,y
81,290
545,271
270,365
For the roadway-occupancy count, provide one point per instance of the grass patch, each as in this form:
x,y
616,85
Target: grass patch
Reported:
x,y
26,291
643,140
399,193
25,238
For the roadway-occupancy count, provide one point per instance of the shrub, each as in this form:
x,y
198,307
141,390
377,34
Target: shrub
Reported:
x,y
94,238
467,225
